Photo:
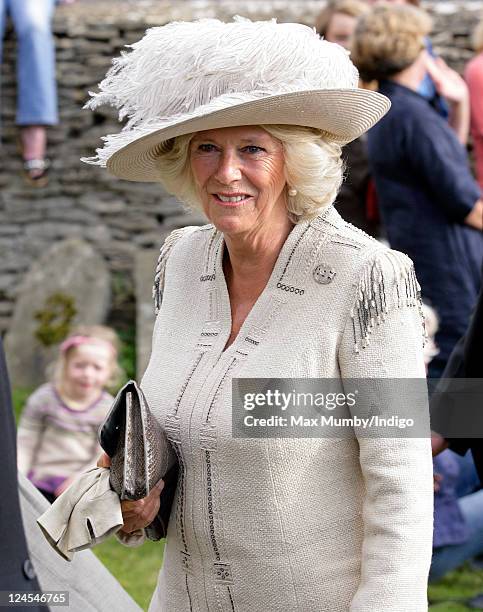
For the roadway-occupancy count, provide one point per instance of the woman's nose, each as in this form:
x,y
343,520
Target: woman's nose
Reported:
x,y
228,170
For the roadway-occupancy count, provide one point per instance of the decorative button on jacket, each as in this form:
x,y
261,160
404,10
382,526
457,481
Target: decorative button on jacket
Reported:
x,y
308,525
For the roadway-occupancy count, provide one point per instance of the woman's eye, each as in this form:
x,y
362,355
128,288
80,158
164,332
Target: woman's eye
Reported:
x,y
206,148
253,149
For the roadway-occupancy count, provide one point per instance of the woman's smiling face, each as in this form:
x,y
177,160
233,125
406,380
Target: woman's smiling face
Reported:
x,y
239,175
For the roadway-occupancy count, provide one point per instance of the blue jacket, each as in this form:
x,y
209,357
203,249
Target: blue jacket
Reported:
x,y
425,190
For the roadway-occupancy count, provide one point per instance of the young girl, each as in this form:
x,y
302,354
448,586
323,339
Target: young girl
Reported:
x,y
57,433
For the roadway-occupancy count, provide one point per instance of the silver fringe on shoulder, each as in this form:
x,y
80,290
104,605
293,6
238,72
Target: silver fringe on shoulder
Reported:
x,y
378,293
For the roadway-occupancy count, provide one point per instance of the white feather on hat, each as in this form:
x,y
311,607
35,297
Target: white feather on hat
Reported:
x,y
191,76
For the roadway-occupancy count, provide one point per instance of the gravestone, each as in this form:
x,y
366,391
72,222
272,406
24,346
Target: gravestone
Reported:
x,y
144,267
69,285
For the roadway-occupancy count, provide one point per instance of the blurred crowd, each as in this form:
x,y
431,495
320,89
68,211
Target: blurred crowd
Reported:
x,y
409,181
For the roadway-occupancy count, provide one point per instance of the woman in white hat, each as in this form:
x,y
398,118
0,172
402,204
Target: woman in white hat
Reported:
x,y
246,121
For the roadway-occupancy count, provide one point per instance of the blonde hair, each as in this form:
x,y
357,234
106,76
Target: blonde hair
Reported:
x,y
351,8
388,39
313,166
477,38
98,332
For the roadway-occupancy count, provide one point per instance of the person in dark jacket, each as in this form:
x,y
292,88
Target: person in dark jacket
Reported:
x,y
430,204
466,361
17,572
459,535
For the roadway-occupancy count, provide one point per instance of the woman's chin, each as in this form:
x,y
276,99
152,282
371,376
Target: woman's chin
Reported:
x,y
231,226
230,220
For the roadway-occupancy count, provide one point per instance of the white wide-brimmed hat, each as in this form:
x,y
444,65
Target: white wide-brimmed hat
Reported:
x,y
187,77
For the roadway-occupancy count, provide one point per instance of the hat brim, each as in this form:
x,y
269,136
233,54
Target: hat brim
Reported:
x,y
344,114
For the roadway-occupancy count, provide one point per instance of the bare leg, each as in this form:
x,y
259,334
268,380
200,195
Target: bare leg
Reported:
x,y
34,143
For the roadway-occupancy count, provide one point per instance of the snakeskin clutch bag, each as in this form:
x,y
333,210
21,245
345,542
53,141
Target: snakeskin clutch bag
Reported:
x,y
140,454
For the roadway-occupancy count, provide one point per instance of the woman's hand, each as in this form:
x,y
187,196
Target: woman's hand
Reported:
x,y
137,514
104,461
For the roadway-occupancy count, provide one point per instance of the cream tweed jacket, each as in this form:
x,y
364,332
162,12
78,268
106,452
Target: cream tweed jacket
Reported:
x,y
289,525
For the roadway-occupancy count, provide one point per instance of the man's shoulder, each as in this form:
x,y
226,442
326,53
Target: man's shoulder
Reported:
x,y
410,122
408,106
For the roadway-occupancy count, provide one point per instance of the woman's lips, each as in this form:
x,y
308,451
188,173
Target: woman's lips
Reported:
x,y
231,204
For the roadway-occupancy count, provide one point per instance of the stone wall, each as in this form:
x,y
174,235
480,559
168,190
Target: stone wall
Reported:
x,y
121,218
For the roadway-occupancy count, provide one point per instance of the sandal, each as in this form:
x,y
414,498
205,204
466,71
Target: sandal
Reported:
x,y
36,172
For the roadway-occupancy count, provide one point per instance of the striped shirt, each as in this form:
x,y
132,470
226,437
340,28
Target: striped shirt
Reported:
x,y
56,442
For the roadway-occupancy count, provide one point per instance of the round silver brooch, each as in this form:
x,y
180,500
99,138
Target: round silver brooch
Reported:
x,y
324,274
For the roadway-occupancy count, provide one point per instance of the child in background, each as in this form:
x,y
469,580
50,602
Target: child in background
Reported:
x,y
57,433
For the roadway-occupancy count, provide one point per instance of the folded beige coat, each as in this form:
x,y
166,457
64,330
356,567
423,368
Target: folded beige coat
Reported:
x,y
86,513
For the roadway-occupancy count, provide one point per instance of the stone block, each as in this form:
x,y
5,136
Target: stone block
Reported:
x,y
4,323
182,220
132,222
54,230
147,240
5,308
13,261
119,253
144,267
73,215
6,281
102,203
100,32
99,234
59,203
73,269
9,230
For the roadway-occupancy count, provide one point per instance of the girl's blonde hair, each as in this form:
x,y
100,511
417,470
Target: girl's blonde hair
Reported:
x,y
313,166
98,332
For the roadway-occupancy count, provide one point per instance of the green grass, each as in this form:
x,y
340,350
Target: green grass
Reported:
x,y
451,593
127,356
19,397
449,607
137,568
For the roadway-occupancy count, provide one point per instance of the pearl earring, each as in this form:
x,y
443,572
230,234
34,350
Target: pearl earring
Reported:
x,y
292,192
